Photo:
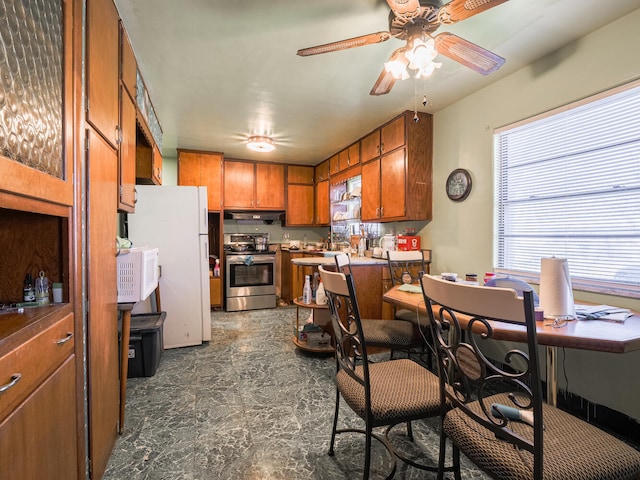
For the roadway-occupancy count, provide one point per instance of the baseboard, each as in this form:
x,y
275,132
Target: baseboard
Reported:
x,y
612,421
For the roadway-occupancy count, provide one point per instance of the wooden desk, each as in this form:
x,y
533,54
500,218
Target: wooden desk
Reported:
x,y
594,335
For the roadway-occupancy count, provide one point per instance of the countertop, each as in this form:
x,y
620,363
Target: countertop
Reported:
x,y
329,260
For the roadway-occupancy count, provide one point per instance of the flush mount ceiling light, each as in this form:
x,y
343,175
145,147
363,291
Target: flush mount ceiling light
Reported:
x,y
260,144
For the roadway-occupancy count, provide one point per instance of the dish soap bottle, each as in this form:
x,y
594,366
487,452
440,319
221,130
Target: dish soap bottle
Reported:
x,y
216,268
306,291
321,295
29,294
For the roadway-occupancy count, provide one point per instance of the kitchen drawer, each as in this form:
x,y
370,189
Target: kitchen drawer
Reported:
x,y
34,360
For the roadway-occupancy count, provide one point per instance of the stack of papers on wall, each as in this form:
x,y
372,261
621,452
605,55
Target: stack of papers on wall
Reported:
x,y
602,312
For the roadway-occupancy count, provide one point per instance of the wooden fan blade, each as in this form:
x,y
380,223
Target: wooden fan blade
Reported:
x,y
384,83
458,10
386,80
468,54
344,44
402,7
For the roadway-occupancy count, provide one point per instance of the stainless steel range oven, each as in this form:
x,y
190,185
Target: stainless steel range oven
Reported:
x,y
250,272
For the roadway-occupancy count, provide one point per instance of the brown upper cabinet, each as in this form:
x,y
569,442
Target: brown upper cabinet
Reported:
x,y
397,183
128,64
322,203
202,169
384,139
344,159
322,171
251,185
127,146
300,195
300,174
102,69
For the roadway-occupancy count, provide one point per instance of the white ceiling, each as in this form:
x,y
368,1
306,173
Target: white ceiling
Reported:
x,y
218,71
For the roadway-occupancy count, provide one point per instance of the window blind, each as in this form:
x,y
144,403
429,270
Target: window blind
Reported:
x,y
568,185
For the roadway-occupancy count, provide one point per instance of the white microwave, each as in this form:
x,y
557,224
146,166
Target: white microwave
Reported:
x,y
138,274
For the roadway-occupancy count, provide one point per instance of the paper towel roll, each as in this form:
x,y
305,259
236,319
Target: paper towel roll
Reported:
x,y
556,295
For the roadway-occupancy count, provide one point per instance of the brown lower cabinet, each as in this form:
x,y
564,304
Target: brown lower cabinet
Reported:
x,y
38,439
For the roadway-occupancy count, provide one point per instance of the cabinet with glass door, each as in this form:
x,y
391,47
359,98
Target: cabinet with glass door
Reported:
x,y
345,202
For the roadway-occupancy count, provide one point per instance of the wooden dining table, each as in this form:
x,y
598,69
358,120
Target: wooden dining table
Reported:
x,y
593,335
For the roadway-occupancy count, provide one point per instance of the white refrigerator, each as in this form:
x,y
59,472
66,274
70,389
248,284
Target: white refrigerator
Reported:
x,y
175,220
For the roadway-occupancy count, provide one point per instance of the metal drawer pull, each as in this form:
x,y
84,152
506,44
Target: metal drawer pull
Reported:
x,y
64,340
15,378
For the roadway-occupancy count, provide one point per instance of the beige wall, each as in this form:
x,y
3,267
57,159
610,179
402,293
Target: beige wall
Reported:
x,y
461,234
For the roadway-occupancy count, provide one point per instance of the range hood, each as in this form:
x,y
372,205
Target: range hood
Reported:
x,y
256,216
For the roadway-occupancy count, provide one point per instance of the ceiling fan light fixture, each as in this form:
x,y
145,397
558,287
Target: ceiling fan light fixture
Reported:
x,y
397,68
260,144
421,53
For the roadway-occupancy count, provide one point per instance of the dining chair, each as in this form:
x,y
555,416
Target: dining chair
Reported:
x,y
391,334
383,393
498,418
406,268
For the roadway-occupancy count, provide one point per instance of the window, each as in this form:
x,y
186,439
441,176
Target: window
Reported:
x,y
568,185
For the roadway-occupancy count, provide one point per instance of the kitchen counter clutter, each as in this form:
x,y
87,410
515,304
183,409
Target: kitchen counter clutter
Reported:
x,y
328,259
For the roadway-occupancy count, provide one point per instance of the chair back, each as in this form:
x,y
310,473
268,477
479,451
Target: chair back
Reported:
x,y
408,266
351,349
462,319
343,262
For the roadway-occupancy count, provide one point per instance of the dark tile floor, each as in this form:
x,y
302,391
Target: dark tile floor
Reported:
x,y
246,406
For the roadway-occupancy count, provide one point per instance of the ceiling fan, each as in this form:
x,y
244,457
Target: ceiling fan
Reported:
x,y
415,21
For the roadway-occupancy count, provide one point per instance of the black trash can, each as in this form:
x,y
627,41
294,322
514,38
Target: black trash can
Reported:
x,y
145,344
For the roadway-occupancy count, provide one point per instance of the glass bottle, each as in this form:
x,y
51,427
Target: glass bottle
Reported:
x,y
306,290
29,294
42,288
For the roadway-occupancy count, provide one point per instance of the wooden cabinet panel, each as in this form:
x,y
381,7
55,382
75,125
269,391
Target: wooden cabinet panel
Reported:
x,y
397,185
35,360
128,64
392,185
392,135
102,68
39,439
253,185
215,291
300,174
157,165
103,388
270,186
349,156
202,169
189,169
322,203
370,146
127,154
322,171
370,208
300,205
334,164
238,184
211,176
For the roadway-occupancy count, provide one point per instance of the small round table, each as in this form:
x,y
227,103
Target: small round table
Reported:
x,y
320,313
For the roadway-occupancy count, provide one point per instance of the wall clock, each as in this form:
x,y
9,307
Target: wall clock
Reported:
x,y
458,184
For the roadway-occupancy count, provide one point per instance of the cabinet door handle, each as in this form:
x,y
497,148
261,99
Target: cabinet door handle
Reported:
x,y
382,147
118,135
15,378
377,212
64,340
381,211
